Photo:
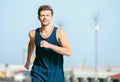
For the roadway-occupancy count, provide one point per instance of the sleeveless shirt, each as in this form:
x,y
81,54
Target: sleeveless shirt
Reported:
x,y
48,64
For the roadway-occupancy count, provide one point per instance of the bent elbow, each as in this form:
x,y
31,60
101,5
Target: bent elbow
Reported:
x,y
69,53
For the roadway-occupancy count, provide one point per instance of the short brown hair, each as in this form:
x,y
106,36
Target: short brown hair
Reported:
x,y
45,7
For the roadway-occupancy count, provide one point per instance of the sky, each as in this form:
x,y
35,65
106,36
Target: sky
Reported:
x,y
18,17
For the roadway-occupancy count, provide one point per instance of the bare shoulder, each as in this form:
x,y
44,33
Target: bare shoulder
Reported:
x,y
32,34
60,32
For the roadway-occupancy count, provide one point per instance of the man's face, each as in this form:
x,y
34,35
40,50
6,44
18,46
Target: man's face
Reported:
x,y
45,17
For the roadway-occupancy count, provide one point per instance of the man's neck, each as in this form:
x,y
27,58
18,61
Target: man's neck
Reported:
x,y
45,31
46,28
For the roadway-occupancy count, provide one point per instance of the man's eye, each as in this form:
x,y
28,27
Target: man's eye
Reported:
x,y
48,15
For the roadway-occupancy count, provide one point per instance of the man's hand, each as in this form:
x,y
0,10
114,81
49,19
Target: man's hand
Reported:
x,y
44,44
27,65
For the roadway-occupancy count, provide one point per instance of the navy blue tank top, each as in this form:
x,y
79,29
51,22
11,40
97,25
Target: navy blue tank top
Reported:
x,y
49,62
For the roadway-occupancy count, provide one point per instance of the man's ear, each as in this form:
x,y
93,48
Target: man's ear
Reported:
x,y
38,17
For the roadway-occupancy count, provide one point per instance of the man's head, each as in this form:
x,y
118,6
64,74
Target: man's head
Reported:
x,y
45,7
45,15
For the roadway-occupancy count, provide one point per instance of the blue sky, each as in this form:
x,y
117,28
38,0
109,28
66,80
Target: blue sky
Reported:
x,y
18,17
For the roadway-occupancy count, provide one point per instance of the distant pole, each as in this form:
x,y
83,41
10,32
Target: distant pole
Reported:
x,y
60,24
24,55
96,46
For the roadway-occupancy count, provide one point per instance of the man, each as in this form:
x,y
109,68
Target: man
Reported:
x,y
51,45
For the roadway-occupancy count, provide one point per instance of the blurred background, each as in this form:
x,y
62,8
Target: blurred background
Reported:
x,y
92,28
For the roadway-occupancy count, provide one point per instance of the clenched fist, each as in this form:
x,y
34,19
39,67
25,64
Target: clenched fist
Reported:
x,y
27,65
44,44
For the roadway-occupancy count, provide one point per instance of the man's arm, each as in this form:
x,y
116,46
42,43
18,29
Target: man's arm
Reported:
x,y
30,48
64,49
